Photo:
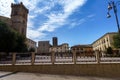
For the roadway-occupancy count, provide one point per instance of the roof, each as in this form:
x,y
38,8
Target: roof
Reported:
x,y
43,41
109,33
6,20
89,45
61,45
31,40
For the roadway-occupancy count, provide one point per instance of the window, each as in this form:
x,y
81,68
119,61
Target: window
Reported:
x,y
81,49
22,30
43,44
24,15
23,22
15,12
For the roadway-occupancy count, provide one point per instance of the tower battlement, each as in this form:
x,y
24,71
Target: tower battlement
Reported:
x,y
19,5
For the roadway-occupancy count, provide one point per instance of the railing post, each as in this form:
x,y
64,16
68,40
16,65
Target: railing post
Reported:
x,y
53,57
33,58
13,58
97,56
74,57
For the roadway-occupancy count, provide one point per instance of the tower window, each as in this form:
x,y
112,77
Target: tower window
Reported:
x,y
22,30
23,22
24,15
15,13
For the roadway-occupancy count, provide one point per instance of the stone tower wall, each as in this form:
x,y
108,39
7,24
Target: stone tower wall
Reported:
x,y
19,15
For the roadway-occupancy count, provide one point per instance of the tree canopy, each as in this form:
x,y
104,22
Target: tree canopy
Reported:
x,y
10,40
31,49
116,40
109,50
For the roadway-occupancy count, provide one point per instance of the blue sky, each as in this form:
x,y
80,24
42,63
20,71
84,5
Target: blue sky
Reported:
x,y
72,21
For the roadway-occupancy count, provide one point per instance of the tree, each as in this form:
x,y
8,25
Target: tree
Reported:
x,y
10,40
21,46
116,40
109,51
32,49
7,37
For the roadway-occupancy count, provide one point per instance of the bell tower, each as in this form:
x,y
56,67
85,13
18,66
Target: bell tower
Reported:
x,y
19,15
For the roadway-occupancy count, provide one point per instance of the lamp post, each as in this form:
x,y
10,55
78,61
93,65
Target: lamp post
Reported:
x,y
112,5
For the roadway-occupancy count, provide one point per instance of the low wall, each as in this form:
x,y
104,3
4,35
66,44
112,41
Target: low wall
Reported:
x,y
104,70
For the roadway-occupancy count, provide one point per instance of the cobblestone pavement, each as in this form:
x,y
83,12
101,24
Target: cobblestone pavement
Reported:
x,y
38,76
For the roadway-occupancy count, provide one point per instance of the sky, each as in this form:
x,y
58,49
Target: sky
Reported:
x,y
71,21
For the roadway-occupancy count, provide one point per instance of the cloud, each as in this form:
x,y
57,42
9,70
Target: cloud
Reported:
x,y
70,5
75,22
35,34
52,14
5,9
55,19
31,4
91,15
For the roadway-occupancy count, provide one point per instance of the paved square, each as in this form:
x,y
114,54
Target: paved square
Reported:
x,y
38,76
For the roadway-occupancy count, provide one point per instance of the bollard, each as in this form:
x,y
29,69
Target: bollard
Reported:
x,y
33,58
74,56
97,56
53,57
13,58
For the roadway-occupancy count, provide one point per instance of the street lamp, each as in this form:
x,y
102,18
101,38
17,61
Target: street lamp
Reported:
x,y
112,5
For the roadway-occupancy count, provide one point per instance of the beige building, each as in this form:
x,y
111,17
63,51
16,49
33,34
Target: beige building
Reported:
x,y
60,48
31,44
43,47
104,42
83,50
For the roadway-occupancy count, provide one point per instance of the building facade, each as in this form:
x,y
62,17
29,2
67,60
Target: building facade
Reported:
x,y
104,42
83,50
43,47
60,48
31,45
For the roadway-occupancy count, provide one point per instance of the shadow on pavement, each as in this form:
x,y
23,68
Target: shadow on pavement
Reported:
x,y
8,74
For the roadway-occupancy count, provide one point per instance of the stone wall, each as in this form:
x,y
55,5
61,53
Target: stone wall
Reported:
x,y
104,70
